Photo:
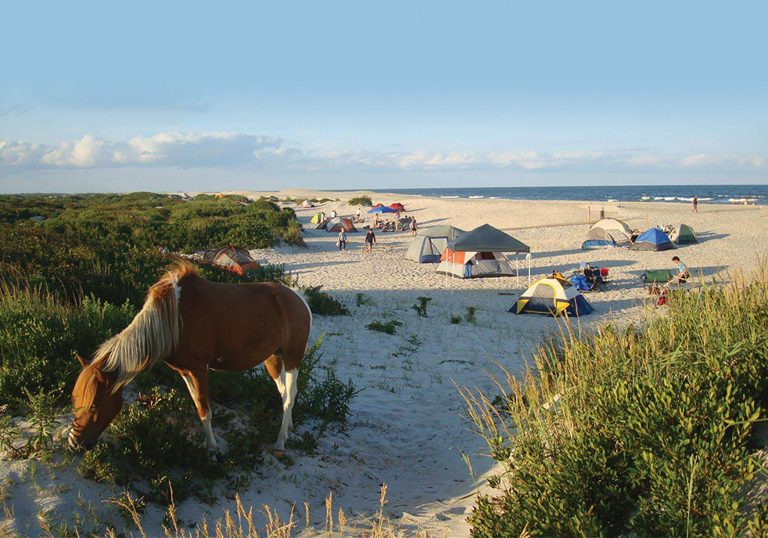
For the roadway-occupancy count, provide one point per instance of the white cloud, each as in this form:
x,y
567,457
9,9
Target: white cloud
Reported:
x,y
234,149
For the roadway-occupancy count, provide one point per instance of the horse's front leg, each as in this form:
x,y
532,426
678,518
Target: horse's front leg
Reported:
x,y
197,384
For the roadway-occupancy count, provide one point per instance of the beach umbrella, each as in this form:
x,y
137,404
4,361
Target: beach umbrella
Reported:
x,y
382,209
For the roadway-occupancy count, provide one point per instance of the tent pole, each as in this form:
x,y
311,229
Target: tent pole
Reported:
x,y
517,270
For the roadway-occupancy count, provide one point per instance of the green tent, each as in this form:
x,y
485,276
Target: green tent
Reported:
x,y
683,234
658,275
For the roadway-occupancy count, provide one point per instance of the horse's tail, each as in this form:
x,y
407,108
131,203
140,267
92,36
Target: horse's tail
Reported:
x,y
153,334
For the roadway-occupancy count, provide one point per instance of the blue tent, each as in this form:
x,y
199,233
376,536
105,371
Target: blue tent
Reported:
x,y
383,209
652,239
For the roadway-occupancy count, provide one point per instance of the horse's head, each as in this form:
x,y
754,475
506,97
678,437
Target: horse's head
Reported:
x,y
96,403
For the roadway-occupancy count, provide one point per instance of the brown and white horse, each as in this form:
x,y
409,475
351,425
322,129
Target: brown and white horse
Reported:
x,y
194,326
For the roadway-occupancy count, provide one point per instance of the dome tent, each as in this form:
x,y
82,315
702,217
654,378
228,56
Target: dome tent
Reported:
x,y
428,246
318,218
652,239
618,229
442,230
231,258
552,296
682,234
598,238
336,224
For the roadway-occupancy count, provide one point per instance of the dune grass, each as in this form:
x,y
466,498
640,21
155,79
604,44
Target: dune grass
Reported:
x,y
643,431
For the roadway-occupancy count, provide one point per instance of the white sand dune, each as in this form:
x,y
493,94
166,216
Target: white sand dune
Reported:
x,y
408,428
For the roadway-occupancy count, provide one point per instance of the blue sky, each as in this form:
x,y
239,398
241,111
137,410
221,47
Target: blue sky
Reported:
x,y
96,96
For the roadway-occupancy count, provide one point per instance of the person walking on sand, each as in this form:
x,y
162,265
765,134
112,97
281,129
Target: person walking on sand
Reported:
x,y
370,239
413,226
343,239
695,204
357,215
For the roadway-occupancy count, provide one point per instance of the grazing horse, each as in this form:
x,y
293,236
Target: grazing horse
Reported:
x,y
194,326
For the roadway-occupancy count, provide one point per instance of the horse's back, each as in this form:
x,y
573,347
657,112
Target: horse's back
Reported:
x,y
242,322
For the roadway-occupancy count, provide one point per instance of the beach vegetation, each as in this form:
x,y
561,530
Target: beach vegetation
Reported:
x,y
469,317
323,303
638,430
388,327
361,299
421,306
361,200
455,320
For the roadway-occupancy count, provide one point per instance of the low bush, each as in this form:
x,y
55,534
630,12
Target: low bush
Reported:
x,y
635,431
388,327
421,306
323,303
361,200
39,337
361,299
455,320
470,315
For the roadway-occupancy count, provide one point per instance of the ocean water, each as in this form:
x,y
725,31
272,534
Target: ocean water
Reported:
x,y
708,194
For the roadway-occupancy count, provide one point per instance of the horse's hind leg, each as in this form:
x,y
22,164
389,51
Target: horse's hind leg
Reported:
x,y
286,381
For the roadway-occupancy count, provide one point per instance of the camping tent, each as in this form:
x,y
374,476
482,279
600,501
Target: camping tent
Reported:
x,y
464,264
307,203
598,238
397,206
618,229
658,275
442,230
382,209
425,249
682,234
337,223
479,254
232,259
652,239
553,296
430,243
318,218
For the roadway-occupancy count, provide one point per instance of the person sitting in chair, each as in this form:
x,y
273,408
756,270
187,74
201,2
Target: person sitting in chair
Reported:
x,y
682,275
593,276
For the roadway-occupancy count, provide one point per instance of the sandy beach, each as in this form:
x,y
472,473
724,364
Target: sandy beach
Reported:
x,y
408,427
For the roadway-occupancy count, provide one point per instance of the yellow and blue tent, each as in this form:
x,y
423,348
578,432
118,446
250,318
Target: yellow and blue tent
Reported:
x,y
552,296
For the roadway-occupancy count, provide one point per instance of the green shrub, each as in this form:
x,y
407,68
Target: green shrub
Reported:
x,y
39,337
470,315
322,303
635,431
361,299
361,200
421,306
389,327
455,320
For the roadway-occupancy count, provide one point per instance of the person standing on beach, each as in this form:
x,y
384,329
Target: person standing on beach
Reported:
x,y
695,204
357,215
413,226
343,239
370,239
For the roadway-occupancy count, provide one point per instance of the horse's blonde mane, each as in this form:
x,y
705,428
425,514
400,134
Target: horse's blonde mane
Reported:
x,y
152,335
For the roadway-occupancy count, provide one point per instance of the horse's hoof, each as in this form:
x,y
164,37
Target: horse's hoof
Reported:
x,y
279,454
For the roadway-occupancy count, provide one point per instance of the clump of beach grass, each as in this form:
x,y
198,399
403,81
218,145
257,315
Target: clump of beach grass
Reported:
x,y
637,431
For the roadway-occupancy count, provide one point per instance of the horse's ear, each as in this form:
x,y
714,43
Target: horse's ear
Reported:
x,y
81,360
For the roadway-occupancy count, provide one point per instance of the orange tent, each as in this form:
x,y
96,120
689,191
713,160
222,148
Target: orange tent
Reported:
x,y
234,259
